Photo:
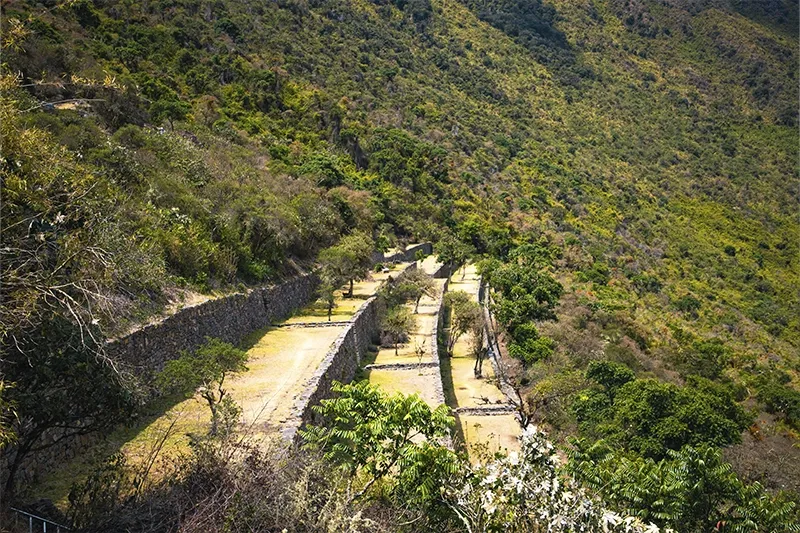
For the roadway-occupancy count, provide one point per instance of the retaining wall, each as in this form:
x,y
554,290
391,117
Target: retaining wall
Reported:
x,y
231,318
437,326
340,364
409,254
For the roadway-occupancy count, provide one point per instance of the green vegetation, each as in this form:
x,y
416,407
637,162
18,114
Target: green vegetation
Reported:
x,y
465,315
524,292
203,372
396,326
626,171
347,261
378,436
648,446
416,284
651,417
690,490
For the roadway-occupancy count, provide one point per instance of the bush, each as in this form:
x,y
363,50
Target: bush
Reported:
x,y
650,417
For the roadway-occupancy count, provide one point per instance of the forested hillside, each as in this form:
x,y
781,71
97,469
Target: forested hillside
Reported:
x,y
158,148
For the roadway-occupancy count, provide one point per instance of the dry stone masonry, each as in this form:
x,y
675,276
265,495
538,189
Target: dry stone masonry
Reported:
x,y
340,364
231,319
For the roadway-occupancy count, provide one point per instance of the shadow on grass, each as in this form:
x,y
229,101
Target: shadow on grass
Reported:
x,y
459,443
141,434
369,358
56,485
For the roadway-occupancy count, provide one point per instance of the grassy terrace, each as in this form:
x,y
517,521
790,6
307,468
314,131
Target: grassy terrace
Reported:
x,y
281,360
421,381
493,432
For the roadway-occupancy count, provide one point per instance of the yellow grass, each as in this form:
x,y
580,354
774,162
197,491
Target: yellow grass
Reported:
x,y
279,366
419,338
490,433
419,381
411,381
472,392
498,432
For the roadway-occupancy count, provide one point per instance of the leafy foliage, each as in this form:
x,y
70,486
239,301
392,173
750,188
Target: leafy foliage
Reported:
x,y
389,438
416,284
527,491
203,372
397,325
652,417
465,315
524,292
654,142
691,489
62,388
348,260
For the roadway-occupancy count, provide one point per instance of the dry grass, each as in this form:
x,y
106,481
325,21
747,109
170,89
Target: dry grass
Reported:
x,y
411,381
419,381
419,338
470,391
490,433
279,366
482,433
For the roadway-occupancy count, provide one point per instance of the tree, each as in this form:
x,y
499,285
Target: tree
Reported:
x,y
706,358
691,489
529,346
327,291
478,346
464,315
61,389
203,372
416,284
452,252
397,325
349,260
610,375
651,417
169,109
391,438
524,292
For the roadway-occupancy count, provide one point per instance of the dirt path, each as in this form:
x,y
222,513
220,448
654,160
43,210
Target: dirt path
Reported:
x,y
495,428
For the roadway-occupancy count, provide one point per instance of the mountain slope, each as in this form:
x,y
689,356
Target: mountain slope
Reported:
x,y
653,142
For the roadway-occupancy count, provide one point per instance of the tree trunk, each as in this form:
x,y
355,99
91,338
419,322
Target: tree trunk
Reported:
x,y
22,452
350,294
212,404
416,305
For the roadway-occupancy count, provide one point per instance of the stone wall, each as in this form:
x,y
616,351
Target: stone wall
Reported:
x,y
409,254
340,364
437,327
145,351
442,272
231,318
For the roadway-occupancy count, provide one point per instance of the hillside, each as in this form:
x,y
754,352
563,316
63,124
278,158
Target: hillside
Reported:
x,y
153,148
